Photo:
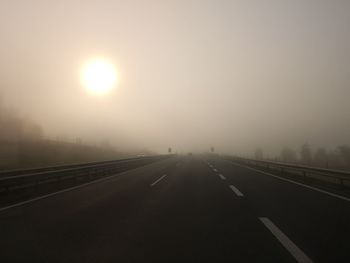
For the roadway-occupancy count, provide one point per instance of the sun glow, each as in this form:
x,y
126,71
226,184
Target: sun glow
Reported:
x,y
99,76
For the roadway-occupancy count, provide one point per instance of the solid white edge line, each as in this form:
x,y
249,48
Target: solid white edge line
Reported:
x,y
222,177
158,180
236,191
296,252
297,183
58,192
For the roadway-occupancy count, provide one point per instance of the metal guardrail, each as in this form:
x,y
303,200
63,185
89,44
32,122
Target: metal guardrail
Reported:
x,y
10,180
306,171
16,172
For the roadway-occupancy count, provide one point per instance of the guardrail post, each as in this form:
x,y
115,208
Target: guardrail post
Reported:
x,y
341,182
282,170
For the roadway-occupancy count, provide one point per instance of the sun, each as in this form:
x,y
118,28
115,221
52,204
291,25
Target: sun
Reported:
x,y
99,76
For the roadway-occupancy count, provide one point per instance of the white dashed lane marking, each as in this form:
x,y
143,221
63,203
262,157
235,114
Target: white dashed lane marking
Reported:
x,y
236,191
158,180
296,252
222,177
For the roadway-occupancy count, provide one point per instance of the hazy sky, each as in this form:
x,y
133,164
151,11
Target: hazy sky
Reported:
x,y
233,74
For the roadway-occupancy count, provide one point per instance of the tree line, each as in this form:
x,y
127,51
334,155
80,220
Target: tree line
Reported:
x,y
338,158
23,145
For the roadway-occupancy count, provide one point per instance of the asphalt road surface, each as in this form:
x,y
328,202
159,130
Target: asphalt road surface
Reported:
x,y
182,209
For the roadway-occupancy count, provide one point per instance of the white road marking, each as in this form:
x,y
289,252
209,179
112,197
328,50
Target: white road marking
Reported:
x,y
215,170
222,177
158,180
297,183
58,192
296,252
236,191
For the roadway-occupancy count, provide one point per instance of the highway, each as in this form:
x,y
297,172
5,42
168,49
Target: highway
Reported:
x,y
181,209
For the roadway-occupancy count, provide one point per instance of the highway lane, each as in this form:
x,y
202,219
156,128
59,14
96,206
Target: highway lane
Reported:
x,y
176,210
198,219
316,222
60,227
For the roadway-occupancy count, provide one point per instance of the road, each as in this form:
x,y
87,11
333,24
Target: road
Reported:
x,y
182,209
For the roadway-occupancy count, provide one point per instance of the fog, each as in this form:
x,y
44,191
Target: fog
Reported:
x,y
235,75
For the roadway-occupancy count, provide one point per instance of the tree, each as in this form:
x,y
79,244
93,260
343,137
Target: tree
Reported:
x,y
321,157
305,154
344,152
288,155
259,154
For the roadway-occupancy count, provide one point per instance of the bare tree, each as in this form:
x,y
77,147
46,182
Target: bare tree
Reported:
x,y
344,155
288,155
259,155
321,157
305,154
